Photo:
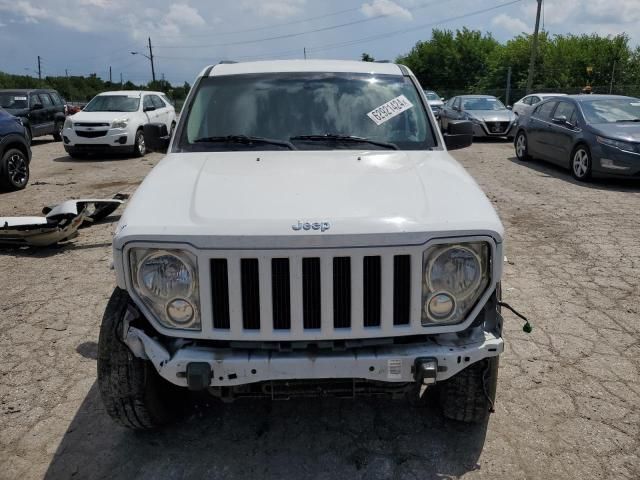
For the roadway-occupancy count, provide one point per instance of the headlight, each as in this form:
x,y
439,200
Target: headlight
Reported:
x,y
627,147
454,278
475,120
68,123
120,123
167,282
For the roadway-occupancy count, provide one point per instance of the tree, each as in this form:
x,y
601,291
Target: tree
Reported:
x,y
367,58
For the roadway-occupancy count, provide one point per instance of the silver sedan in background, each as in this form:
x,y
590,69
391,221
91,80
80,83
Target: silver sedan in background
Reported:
x,y
489,116
526,104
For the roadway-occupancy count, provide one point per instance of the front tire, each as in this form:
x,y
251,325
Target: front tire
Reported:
x,y
139,147
133,393
57,134
581,163
522,147
469,396
14,170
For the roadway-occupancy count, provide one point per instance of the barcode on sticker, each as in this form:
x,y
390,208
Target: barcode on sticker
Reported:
x,y
394,369
392,108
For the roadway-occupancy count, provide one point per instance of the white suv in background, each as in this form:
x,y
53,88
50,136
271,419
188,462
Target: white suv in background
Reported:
x,y
113,121
526,104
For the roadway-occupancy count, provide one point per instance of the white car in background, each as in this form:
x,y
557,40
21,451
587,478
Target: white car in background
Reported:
x,y
526,104
112,122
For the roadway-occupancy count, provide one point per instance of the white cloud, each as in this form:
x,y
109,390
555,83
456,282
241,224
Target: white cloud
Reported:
x,y
510,24
24,8
274,8
386,8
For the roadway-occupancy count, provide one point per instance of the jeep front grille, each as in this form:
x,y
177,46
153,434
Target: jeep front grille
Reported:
x,y
292,296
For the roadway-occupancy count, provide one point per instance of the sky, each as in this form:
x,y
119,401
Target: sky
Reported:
x,y
89,36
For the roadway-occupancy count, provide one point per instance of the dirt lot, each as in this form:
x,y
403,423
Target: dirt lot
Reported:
x,y
568,395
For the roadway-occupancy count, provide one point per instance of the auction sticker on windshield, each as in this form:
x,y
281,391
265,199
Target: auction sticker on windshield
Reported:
x,y
392,108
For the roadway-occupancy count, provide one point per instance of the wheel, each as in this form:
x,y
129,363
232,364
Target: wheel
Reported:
x,y
133,393
14,170
173,128
581,163
470,395
522,147
139,147
28,135
57,134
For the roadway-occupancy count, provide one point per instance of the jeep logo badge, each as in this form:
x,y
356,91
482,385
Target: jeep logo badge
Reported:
x,y
322,226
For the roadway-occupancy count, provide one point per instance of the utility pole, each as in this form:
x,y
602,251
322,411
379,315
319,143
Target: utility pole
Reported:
x,y
534,48
66,73
305,52
153,69
508,86
39,69
120,79
109,73
613,73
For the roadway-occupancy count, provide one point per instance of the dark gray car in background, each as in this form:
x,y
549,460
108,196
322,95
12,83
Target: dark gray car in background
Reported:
x,y
592,135
489,116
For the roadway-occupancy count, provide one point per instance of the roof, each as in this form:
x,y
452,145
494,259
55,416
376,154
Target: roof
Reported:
x,y
27,90
129,92
476,96
290,66
583,97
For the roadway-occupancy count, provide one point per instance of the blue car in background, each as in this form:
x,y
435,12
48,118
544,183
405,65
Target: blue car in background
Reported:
x,y
15,153
592,135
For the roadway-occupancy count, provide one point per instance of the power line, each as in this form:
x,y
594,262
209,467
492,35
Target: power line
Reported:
x,y
408,30
297,34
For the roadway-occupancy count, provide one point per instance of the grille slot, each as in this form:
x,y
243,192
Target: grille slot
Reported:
x,y
311,293
90,124
220,293
281,296
371,277
342,292
250,281
91,134
401,289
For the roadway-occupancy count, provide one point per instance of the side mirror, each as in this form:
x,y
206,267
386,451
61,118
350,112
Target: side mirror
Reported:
x,y
36,106
509,107
560,119
156,137
442,99
459,134
149,109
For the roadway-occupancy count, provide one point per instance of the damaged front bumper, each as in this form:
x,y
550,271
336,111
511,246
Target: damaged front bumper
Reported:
x,y
229,367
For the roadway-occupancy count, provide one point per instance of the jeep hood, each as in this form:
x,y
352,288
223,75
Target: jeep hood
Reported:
x,y
252,199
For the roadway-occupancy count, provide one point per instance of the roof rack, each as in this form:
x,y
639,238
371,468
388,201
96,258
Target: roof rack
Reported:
x,y
225,62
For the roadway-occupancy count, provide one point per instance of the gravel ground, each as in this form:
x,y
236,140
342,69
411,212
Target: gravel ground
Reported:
x,y
568,395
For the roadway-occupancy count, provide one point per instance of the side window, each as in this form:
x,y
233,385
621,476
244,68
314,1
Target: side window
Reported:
x,y
544,111
45,100
55,98
567,109
147,102
534,100
526,100
166,99
33,99
157,102
456,104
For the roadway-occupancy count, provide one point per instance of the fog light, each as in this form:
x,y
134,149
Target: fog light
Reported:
x,y
122,140
441,306
608,163
180,311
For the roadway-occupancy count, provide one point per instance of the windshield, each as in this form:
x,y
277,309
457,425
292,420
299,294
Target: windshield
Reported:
x,y
113,103
13,101
432,96
482,104
611,110
312,111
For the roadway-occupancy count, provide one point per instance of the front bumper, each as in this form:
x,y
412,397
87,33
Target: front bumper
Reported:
x,y
394,363
613,162
112,138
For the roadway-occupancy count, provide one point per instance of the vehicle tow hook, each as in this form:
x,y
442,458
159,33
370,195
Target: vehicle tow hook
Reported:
x,y
199,375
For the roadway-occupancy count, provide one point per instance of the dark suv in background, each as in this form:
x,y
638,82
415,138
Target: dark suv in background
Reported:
x,y
41,111
15,153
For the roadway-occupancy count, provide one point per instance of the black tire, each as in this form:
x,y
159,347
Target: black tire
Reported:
x,y
57,133
469,396
139,146
133,393
14,170
173,129
581,164
522,153
28,135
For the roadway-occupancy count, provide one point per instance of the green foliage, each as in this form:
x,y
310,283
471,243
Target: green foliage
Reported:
x,y
367,58
85,88
469,61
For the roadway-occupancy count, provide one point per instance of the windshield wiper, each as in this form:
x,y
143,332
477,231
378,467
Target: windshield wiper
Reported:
x,y
629,120
344,138
245,139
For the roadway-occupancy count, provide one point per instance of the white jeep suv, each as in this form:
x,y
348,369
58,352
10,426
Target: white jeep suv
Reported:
x,y
113,122
307,233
